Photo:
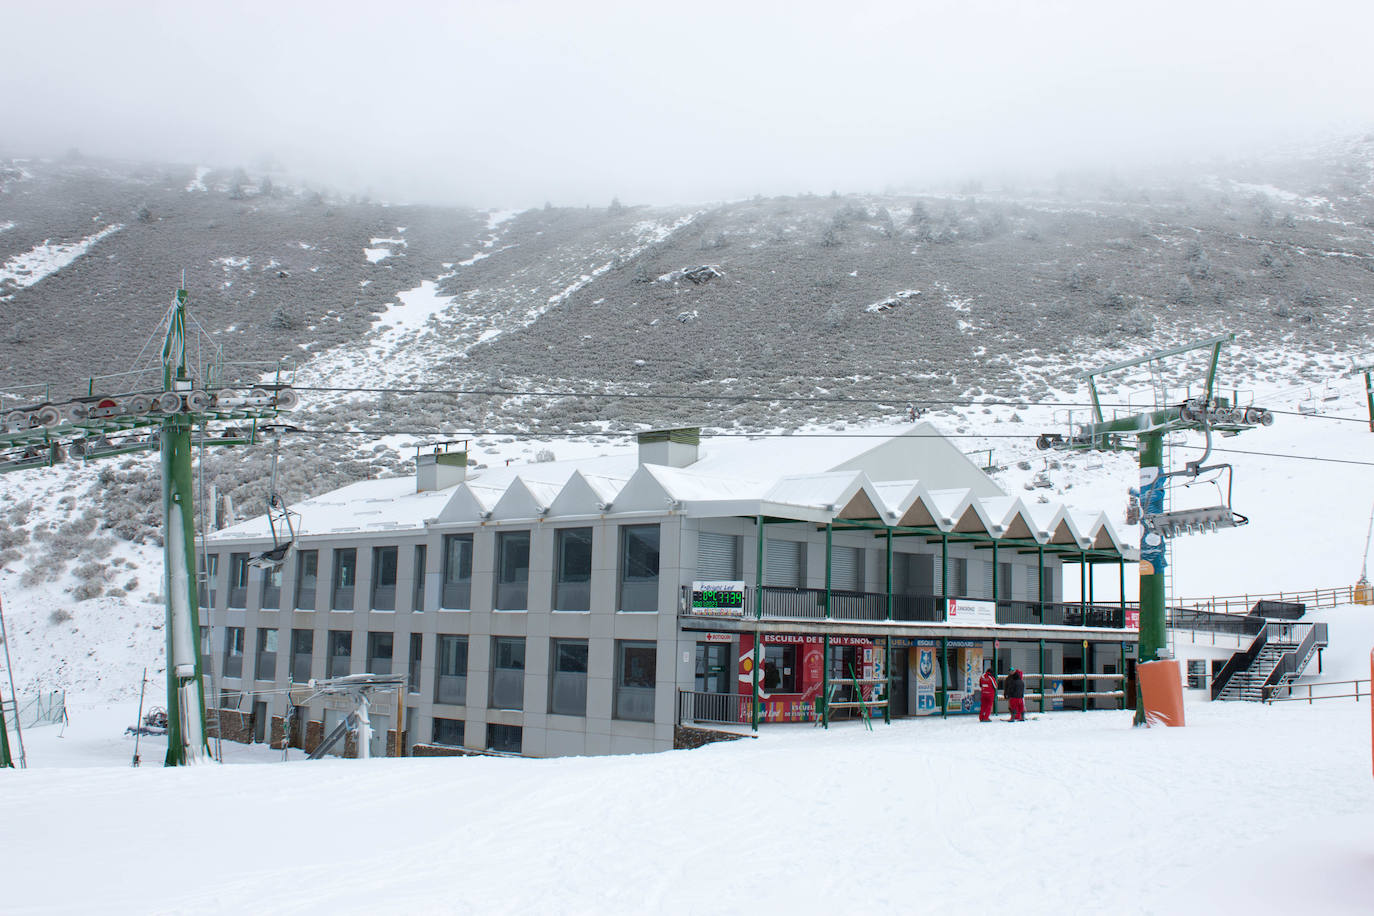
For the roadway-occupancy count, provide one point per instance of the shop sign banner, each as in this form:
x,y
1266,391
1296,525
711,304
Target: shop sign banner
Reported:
x,y
924,666
787,639
718,599
966,610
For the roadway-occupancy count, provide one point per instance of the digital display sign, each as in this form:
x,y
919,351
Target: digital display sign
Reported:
x,y
721,598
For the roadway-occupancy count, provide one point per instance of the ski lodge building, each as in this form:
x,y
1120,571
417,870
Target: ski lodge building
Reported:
x,y
593,606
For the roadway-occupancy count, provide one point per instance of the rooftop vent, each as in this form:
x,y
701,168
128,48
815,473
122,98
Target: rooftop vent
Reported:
x,y
442,465
677,448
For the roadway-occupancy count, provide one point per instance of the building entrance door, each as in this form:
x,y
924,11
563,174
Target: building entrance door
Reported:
x,y
713,667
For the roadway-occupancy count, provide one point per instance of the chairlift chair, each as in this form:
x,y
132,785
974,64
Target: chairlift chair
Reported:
x,y
280,519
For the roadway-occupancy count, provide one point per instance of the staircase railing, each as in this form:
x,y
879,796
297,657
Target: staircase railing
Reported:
x,y
1293,661
1239,662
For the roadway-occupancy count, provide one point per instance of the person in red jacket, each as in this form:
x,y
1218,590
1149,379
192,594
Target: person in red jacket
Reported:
x,y
988,687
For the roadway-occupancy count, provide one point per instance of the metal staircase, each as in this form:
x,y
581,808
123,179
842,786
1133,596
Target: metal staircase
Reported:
x,y
1249,684
1277,656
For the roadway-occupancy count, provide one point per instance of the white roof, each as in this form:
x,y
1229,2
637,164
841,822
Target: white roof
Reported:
x,y
913,476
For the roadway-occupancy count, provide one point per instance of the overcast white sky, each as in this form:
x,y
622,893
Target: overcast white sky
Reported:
x,y
514,103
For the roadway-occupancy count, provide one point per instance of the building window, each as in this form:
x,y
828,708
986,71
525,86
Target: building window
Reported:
x,y
340,652
958,577
233,652
417,643
267,655
1197,673
780,669
1005,583
379,647
573,578
457,572
568,682
718,557
307,572
451,685
238,580
784,563
635,667
209,589
507,672
639,568
417,595
512,570
302,648
384,578
448,732
271,588
506,738
846,569
345,577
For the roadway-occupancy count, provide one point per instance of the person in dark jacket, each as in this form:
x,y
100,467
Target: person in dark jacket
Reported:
x,y
1015,689
988,690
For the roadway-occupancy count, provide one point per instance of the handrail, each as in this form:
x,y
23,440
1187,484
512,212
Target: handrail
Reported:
x,y
1239,662
780,602
1315,597
1269,692
1183,618
1291,661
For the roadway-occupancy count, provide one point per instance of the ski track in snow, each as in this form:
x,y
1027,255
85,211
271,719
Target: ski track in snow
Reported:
x,y
32,266
424,328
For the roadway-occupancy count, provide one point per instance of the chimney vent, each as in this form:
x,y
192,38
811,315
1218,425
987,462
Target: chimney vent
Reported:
x,y
441,466
676,448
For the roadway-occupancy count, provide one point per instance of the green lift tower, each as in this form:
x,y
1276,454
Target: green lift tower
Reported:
x,y
1144,433
126,413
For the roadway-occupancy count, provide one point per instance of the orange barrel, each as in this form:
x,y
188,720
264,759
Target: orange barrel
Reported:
x,y
1161,690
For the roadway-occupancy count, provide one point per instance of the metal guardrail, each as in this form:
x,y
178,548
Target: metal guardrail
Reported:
x,y
794,603
1314,597
1292,662
726,708
1284,693
1185,618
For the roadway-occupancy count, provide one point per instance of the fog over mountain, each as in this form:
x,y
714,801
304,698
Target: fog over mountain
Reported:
x,y
516,104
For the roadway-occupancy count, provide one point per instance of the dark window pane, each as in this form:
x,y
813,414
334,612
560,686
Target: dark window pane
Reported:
x,y
448,732
505,738
302,647
307,572
639,568
384,578
457,572
512,570
417,597
451,681
634,685
572,589
508,672
568,683
345,576
379,652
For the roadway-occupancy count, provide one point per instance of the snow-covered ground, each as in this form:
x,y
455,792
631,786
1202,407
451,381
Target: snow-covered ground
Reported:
x,y
1258,809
